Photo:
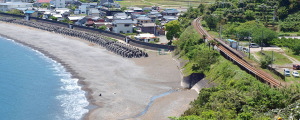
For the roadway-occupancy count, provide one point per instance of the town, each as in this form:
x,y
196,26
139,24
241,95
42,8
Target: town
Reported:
x,y
147,23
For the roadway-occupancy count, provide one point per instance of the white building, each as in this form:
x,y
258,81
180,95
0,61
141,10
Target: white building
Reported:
x,y
6,5
122,26
59,3
147,37
83,9
94,12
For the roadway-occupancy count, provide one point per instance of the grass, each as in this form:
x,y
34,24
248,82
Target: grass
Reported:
x,y
279,59
291,78
163,3
289,52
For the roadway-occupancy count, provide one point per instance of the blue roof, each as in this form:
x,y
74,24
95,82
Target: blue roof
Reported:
x,y
231,40
29,11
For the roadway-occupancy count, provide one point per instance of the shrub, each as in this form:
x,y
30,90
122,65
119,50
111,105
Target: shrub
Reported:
x,y
265,61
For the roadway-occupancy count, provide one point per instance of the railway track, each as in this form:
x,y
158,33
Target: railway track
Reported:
x,y
237,58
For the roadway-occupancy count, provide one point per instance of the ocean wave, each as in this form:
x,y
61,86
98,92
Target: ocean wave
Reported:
x,y
72,98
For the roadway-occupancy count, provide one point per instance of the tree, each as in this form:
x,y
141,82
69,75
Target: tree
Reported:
x,y
203,58
250,15
173,29
201,8
264,35
123,8
187,42
265,61
282,12
157,22
65,21
16,12
45,5
103,27
211,21
53,18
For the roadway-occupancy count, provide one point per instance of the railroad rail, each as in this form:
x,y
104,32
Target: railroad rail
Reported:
x,y
237,58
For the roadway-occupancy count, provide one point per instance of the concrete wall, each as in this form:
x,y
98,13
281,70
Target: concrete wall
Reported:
x,y
189,81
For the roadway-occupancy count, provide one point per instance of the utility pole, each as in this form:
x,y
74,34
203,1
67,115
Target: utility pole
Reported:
x,y
249,44
261,41
220,31
272,59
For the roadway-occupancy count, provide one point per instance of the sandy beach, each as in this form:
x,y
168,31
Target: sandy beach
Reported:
x,y
126,85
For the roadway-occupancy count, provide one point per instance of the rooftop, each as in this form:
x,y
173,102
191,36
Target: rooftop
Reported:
x,y
148,25
75,17
123,21
143,18
43,1
16,3
145,36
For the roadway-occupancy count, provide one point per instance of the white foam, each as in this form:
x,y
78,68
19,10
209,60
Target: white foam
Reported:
x,y
73,100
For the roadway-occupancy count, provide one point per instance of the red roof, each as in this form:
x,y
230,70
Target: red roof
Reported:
x,y
43,1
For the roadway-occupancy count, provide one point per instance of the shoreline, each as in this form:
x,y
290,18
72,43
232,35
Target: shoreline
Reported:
x,y
155,79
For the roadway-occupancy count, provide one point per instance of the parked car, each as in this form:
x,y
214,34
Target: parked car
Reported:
x,y
254,45
295,74
287,72
296,66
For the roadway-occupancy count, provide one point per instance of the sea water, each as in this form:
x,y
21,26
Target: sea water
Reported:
x,y
35,87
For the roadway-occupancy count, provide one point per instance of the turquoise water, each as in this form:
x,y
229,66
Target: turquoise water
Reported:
x,y
35,87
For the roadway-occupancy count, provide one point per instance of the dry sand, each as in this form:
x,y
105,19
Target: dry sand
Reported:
x,y
126,85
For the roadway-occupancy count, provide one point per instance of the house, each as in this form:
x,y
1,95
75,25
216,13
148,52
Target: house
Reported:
x,y
170,12
111,5
122,26
136,9
7,5
143,19
128,12
85,7
121,16
135,15
169,18
147,9
75,18
76,11
145,37
40,2
107,24
108,11
148,28
94,12
154,15
156,8
105,1
109,18
59,3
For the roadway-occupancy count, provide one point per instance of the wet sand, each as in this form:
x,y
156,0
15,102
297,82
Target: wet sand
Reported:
x,y
126,85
